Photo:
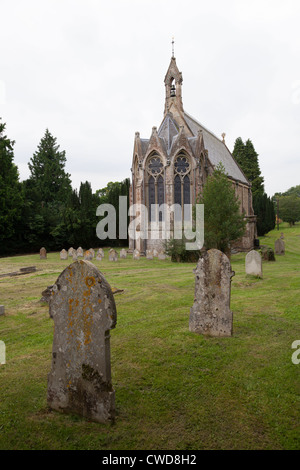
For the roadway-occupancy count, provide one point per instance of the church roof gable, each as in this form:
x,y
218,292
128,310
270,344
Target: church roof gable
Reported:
x,y
217,150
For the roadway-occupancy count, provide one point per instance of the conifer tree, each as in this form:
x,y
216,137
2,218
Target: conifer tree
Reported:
x,y
11,198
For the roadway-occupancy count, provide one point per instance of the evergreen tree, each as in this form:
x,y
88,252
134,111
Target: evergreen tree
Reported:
x,y
223,222
11,198
247,158
47,191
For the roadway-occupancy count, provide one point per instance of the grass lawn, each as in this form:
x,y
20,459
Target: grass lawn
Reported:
x,y
174,389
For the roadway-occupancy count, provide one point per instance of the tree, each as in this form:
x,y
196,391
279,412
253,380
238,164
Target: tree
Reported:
x,y
289,209
47,191
264,208
11,198
247,158
223,222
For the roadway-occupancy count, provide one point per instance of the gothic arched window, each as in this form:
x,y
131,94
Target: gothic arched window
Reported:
x,y
182,183
156,191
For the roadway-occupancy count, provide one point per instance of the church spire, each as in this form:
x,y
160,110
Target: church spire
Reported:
x,y
173,83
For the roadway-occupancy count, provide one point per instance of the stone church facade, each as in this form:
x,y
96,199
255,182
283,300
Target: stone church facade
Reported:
x,y
171,167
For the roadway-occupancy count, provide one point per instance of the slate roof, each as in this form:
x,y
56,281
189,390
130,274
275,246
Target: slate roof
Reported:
x,y
217,150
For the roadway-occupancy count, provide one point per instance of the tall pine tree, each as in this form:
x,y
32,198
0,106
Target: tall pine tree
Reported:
x,y
11,199
247,158
47,192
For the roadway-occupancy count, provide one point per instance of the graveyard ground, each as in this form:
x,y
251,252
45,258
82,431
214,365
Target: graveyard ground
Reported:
x,y
174,389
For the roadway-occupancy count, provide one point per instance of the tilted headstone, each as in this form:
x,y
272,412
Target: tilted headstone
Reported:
x,y
43,253
79,252
112,255
149,254
253,264
63,254
279,247
210,313
123,253
83,309
136,254
267,253
70,251
88,256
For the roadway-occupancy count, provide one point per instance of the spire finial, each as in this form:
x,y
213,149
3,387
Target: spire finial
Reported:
x,y
173,47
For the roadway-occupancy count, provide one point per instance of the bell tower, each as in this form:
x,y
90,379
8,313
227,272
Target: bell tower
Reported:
x,y
173,84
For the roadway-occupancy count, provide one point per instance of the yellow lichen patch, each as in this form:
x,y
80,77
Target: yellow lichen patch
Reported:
x,y
90,281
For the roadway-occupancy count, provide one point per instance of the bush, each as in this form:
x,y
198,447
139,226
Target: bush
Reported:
x,y
177,251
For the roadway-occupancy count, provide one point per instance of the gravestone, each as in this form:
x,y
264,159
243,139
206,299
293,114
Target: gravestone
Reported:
x,y
279,247
70,251
98,257
210,313
161,255
63,254
155,253
83,309
282,235
43,253
2,353
123,253
2,310
74,255
92,251
253,264
136,254
149,254
79,252
267,253
88,256
112,255
101,252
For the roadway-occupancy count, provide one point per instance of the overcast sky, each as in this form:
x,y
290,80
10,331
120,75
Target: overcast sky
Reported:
x,y
92,72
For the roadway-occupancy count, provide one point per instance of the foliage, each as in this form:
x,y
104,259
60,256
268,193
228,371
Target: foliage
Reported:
x,y
289,208
263,207
11,196
223,222
247,158
176,249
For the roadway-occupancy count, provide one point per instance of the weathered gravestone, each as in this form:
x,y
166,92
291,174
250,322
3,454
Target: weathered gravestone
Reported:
x,y
63,254
161,255
79,252
279,247
43,253
91,250
101,252
70,251
98,257
282,235
88,256
155,253
253,264
83,309
74,255
149,254
123,253
267,253
210,313
136,254
112,255
2,310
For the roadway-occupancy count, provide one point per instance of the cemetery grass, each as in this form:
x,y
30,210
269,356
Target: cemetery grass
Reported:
x,y
174,389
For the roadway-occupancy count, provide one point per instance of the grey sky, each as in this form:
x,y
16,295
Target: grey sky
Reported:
x,y
92,73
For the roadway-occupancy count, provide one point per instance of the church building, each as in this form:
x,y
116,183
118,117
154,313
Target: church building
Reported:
x,y
171,167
